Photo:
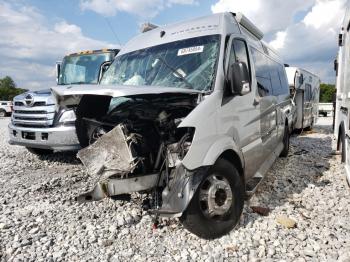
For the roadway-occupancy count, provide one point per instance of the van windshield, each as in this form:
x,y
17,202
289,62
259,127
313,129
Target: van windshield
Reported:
x,y
189,63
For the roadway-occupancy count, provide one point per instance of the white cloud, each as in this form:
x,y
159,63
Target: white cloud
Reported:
x,y
26,35
142,8
312,42
326,13
279,41
303,31
269,15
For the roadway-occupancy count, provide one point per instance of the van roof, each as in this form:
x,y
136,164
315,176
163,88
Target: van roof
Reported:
x,y
215,24
221,23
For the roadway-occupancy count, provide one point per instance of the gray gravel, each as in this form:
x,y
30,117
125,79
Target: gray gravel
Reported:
x,y
40,221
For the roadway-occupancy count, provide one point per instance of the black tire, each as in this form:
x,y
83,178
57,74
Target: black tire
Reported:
x,y
308,128
39,151
194,218
341,145
2,113
286,137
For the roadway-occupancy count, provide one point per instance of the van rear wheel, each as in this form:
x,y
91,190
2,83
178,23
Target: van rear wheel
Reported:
x,y
286,141
342,146
217,205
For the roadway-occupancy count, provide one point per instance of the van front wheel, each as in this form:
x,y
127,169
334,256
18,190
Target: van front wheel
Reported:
x,y
217,205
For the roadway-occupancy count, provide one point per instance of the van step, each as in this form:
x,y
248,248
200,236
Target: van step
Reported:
x,y
252,185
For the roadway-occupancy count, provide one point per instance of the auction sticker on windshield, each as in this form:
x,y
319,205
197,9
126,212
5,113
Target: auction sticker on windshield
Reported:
x,y
190,50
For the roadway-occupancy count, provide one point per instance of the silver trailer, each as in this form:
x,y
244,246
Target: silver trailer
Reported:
x,y
38,123
305,92
342,117
193,113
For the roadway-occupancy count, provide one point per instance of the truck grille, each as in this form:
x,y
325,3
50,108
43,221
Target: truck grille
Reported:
x,y
35,104
38,115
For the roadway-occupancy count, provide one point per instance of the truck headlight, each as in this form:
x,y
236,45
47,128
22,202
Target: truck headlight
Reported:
x,y
68,117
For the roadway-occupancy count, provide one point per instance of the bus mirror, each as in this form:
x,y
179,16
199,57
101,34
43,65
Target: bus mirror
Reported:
x,y
239,79
104,67
58,70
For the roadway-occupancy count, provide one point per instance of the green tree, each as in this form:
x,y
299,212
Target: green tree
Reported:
x,y
8,89
7,82
326,93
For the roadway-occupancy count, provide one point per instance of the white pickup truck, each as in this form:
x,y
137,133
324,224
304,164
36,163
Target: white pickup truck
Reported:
x,y
325,109
5,108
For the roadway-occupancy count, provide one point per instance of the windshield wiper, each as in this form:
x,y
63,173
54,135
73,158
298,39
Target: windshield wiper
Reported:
x,y
175,72
77,83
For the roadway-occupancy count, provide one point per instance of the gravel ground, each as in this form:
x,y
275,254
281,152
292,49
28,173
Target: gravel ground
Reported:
x,y
40,221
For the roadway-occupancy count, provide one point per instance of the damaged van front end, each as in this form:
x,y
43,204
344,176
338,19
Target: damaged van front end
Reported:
x,y
139,143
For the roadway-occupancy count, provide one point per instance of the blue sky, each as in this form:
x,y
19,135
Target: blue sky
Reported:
x,y
125,25
36,33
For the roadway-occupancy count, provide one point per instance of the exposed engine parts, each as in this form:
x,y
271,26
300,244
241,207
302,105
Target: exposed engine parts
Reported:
x,y
136,145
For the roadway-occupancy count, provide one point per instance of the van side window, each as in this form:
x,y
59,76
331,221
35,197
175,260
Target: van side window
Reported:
x,y
275,79
283,78
262,73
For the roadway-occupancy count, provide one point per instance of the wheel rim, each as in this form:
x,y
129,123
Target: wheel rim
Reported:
x,y
2,114
215,197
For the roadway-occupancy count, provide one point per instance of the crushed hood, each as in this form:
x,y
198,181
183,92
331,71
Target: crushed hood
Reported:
x,y
71,94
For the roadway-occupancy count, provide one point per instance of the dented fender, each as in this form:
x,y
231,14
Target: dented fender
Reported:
x,y
220,146
206,153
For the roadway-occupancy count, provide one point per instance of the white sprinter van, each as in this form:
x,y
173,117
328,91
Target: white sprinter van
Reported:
x,y
191,113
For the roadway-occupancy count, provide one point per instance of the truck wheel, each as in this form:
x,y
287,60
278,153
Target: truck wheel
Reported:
x,y
216,207
2,113
341,146
39,151
285,150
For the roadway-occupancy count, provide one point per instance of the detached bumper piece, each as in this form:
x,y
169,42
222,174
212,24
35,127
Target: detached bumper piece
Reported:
x,y
110,162
114,187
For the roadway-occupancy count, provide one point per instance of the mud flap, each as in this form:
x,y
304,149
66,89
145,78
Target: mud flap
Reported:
x,y
180,190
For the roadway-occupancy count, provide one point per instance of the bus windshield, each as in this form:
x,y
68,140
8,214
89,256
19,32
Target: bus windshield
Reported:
x,y
82,69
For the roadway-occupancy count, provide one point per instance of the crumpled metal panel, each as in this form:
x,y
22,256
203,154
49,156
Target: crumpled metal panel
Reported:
x,y
110,154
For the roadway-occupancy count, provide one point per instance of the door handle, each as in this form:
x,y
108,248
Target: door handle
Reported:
x,y
256,102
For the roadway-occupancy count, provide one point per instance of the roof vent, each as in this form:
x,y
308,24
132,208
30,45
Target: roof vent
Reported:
x,y
247,24
147,27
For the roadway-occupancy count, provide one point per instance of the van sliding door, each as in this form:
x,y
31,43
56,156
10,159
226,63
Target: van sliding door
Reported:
x,y
267,101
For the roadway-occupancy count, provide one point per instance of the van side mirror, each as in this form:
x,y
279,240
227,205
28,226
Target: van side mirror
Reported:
x,y
103,68
239,80
58,71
